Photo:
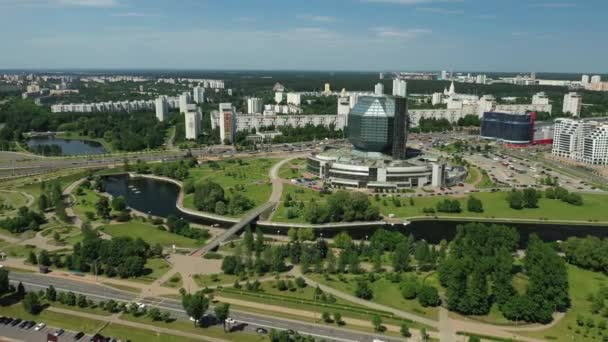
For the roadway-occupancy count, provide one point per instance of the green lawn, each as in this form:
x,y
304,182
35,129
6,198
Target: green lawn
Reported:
x,y
293,169
156,267
186,326
126,333
10,202
473,175
298,194
221,279
18,251
53,319
252,174
385,293
149,233
495,205
174,282
85,202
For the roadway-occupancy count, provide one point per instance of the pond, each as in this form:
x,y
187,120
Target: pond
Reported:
x,y
67,147
159,198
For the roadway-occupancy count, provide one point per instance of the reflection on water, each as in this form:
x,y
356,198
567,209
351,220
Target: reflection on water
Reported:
x,y
158,198
69,147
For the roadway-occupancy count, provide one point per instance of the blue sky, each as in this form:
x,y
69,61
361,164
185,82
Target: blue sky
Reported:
x,y
491,35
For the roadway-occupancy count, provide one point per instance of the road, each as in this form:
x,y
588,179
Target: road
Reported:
x,y
95,292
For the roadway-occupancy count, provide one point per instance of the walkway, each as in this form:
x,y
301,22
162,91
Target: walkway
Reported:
x,y
275,197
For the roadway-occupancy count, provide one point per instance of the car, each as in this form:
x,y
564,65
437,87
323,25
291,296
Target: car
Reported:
x,y
39,326
78,336
261,331
23,324
7,320
291,332
58,332
230,320
16,321
96,337
30,324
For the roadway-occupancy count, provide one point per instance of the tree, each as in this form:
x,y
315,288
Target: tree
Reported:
x,y
474,205
51,293
338,318
195,305
31,303
401,257
32,258
530,197
405,330
409,288
81,301
515,199
119,203
222,311
342,240
363,290
293,234
259,241
326,317
20,289
306,234
207,194
248,241
428,296
103,208
43,203
300,282
474,339
44,259
4,281
377,322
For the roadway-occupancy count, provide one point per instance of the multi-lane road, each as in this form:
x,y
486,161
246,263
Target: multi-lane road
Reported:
x,y
95,292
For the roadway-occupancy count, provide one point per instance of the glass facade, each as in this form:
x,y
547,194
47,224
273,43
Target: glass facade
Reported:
x,y
513,128
370,124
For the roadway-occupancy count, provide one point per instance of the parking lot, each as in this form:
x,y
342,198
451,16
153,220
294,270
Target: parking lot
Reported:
x,y
16,332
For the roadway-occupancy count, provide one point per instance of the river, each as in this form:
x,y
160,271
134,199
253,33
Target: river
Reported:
x,y
159,198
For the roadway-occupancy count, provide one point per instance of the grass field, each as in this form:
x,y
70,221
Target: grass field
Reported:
x,y
157,268
32,185
85,202
473,175
10,202
495,205
252,174
70,322
186,326
175,282
298,194
220,279
149,233
582,284
126,333
385,293
293,169
18,251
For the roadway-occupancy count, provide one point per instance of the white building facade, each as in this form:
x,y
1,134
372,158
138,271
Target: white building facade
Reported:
x,y
584,141
573,103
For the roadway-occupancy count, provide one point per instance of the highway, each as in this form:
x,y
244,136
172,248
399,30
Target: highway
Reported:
x,y
95,292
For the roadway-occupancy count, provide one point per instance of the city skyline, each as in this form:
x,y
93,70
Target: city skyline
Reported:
x,y
543,36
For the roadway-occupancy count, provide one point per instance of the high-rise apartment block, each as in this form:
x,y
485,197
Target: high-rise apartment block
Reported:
x,y
573,103
184,100
585,79
294,99
227,122
254,105
278,97
399,87
540,99
584,141
193,118
596,79
199,94
162,108
379,89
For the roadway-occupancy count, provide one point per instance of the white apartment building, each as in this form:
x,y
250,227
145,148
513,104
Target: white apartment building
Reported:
x,y
184,100
379,89
247,122
193,117
481,79
573,103
344,105
254,105
596,79
294,99
399,87
198,94
162,108
584,141
540,99
436,99
585,79
105,107
227,122
278,97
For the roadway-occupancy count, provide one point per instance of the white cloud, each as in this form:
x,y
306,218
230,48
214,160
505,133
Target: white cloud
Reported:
x,y
392,32
318,18
439,10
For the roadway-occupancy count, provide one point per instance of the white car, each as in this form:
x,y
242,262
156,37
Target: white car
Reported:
x,y
230,320
39,326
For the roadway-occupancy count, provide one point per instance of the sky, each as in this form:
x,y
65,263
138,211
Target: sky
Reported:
x,y
476,35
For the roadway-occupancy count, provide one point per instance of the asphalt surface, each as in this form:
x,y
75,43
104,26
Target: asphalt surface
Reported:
x,y
246,321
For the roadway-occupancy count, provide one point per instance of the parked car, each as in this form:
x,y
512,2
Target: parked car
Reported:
x,y
58,332
78,336
39,326
261,331
16,321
